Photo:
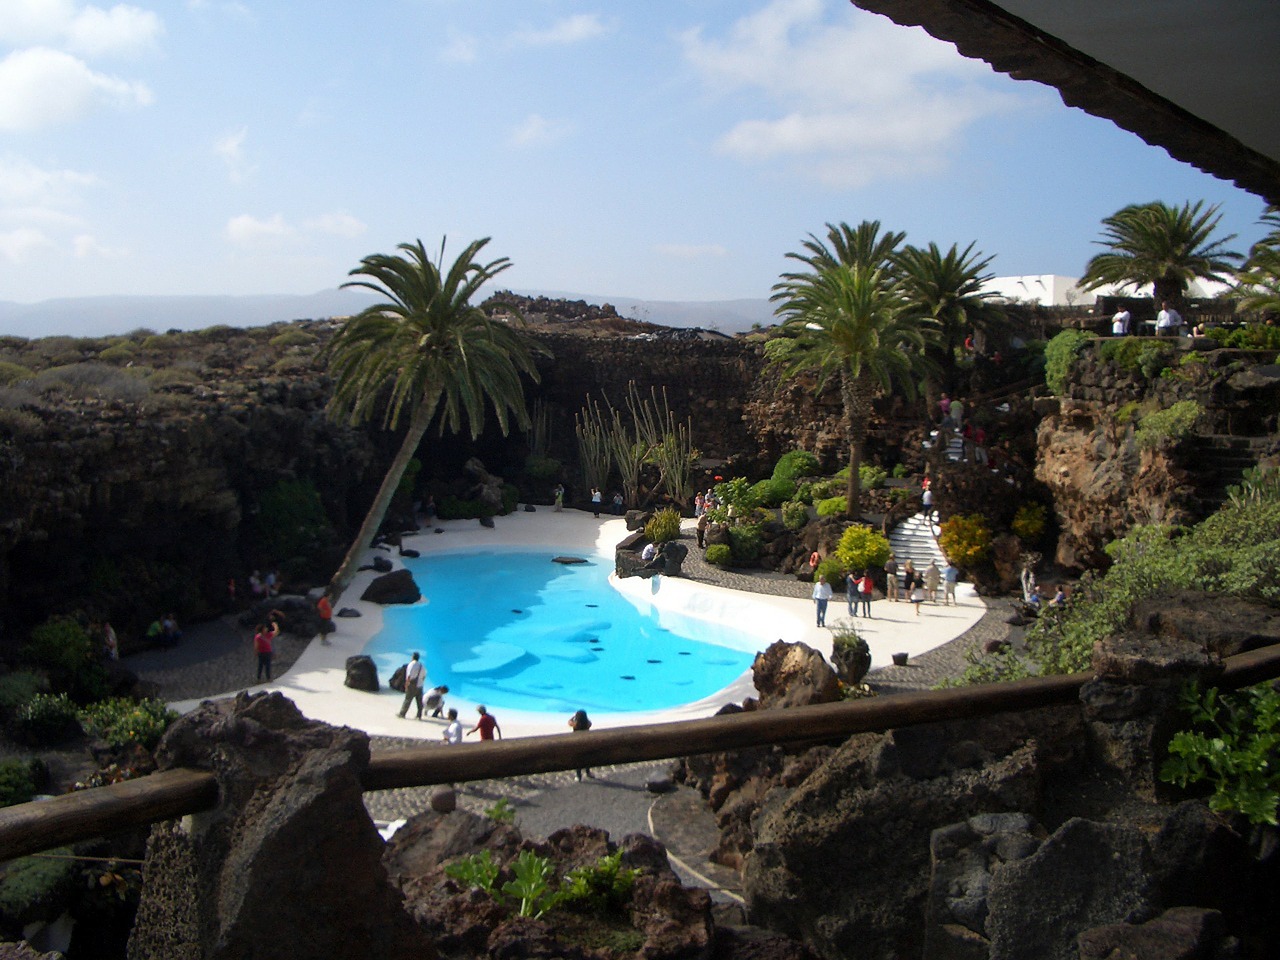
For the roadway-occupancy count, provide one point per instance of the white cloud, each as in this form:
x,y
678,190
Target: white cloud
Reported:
x,y
337,224
24,22
40,87
536,130
855,100
461,48
575,29
120,31
690,251
23,183
87,246
17,244
246,229
231,149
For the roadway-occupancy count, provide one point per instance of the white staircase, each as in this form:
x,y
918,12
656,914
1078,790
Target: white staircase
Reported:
x,y
915,539
952,441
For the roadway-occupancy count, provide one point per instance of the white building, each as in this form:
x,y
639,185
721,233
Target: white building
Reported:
x,y
1051,290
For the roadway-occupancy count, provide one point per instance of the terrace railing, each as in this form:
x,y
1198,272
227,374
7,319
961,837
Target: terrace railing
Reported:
x,y
32,827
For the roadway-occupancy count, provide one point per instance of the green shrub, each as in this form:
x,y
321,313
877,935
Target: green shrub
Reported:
x,y
965,539
850,654
501,812
36,889
832,506
1000,666
745,542
861,548
1232,744
871,476
540,472
60,645
1254,336
804,492
17,688
1167,427
1028,523
773,492
825,489
796,464
293,337
600,887
478,870
19,781
46,719
121,721
794,514
118,354
663,526
900,471
833,570
1059,356
13,373
736,493
719,555
1257,485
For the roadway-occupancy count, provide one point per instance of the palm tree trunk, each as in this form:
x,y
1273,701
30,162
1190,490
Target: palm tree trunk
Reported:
x,y
418,424
857,408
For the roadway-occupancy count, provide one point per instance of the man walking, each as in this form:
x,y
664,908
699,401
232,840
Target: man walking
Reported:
x,y
413,677
486,725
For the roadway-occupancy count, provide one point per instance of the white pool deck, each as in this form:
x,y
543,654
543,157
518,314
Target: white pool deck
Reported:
x,y
315,681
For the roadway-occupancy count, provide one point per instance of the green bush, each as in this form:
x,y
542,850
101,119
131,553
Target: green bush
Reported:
x,y
965,539
1232,744
17,688
861,548
1254,336
541,472
794,514
796,464
13,373
1028,523
773,492
36,889
804,492
1137,355
833,570
121,721
745,542
825,489
832,506
46,719
719,555
872,477
601,887
1059,356
900,471
293,338
118,353
663,526
1167,427
19,781
64,648
736,493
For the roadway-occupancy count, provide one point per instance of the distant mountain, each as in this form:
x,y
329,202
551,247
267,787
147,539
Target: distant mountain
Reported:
x,y
105,316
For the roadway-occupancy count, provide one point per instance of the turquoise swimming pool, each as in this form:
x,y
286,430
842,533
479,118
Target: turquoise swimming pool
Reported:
x,y
514,629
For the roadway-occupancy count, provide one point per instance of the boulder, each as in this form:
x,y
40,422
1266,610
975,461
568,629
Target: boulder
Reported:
x,y
672,556
362,673
396,587
793,675
284,854
1182,933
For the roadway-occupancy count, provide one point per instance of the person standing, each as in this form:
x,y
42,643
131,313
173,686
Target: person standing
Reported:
x,y
1120,323
821,595
908,577
891,579
486,725
581,723
926,501
957,413
618,504
950,576
852,593
917,592
867,589
932,578
558,493
414,674
264,647
704,521
1168,321
453,730
595,501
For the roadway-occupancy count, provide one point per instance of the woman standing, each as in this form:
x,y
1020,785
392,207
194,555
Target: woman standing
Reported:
x,y
263,646
581,723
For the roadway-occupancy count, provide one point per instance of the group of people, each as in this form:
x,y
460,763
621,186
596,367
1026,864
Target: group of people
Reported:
x,y
597,500
1169,322
918,587
704,502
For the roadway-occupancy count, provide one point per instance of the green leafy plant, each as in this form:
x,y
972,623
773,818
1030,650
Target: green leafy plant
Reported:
x,y
862,548
736,493
37,888
774,491
719,555
804,492
46,719
999,666
850,654
501,812
663,526
900,471
1059,357
1257,485
831,487
833,570
1232,745
873,476
17,688
531,886
601,887
795,464
1165,427
745,543
832,506
19,781
121,721
794,514
965,539
478,870
1028,523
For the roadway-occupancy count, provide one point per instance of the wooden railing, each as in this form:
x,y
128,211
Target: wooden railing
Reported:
x,y
31,827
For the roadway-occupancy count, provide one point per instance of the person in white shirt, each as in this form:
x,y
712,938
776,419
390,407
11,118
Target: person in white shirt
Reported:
x,y
1168,321
453,731
414,674
821,594
1120,323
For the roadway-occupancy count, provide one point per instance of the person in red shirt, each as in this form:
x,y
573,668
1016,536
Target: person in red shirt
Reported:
x,y
486,725
264,648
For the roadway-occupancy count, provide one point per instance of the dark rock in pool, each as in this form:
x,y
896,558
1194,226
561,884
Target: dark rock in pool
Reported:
x,y
592,605
514,610
597,649
653,661
568,560
627,676
397,587
685,653
362,674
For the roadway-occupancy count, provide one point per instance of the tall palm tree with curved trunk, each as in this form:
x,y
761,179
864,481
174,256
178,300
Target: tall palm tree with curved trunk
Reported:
x,y
425,352
1164,246
1258,283
845,321
947,289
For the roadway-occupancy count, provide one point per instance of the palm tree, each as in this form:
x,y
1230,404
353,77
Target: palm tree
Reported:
x,y
1258,284
947,289
846,321
427,351
1164,246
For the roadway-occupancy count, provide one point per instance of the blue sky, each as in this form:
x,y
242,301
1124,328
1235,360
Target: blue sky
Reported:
x,y
670,149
